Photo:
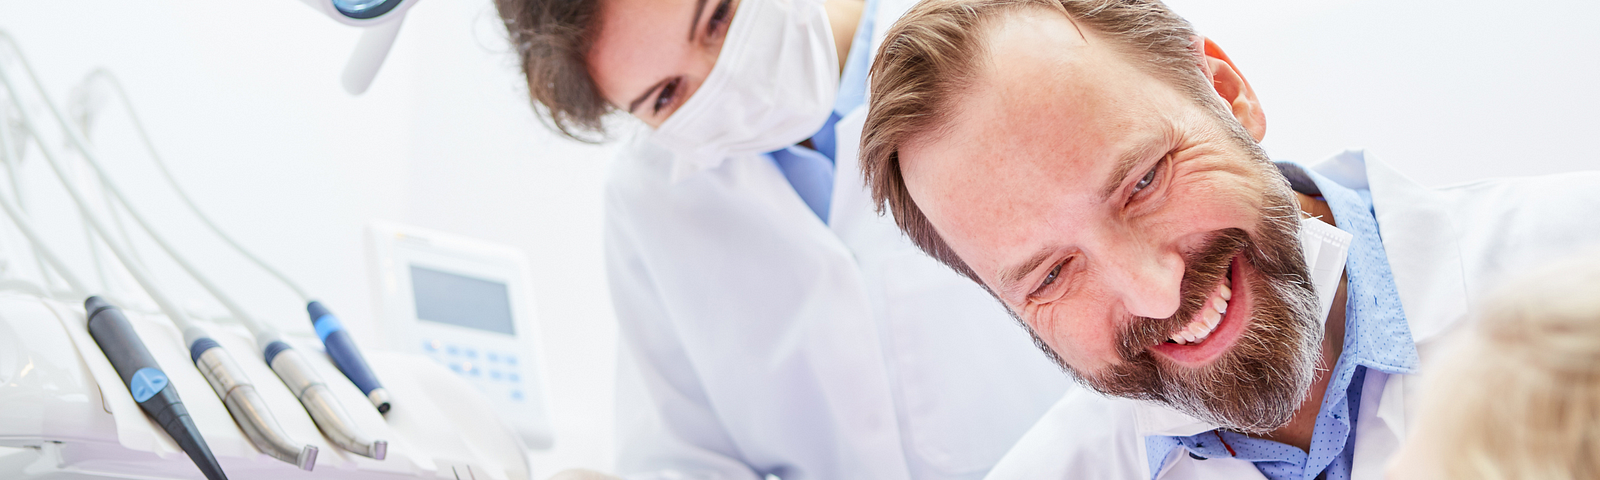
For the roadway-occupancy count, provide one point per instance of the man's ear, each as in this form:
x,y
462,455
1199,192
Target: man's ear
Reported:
x,y
1231,86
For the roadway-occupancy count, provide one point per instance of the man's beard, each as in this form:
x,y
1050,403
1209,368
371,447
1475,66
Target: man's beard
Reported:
x,y
1258,384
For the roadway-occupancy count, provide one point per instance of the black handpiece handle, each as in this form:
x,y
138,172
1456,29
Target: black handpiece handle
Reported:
x,y
148,384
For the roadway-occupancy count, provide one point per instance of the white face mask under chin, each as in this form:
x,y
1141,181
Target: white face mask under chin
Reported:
x,y
773,86
1325,248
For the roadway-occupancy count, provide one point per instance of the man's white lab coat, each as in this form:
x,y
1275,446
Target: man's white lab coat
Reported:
x,y
759,340
1447,248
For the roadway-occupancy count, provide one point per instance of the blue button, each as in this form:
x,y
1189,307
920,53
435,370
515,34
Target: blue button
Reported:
x,y
492,357
511,359
513,377
146,383
494,374
452,350
431,346
516,395
456,367
470,353
474,372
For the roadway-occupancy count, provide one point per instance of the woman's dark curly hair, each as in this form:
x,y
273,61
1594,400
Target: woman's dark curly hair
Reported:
x,y
552,40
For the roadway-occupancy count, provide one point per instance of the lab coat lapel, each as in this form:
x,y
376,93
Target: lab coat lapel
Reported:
x,y
846,348
1420,239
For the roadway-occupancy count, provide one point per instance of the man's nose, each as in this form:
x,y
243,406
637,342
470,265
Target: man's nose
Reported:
x,y
1147,277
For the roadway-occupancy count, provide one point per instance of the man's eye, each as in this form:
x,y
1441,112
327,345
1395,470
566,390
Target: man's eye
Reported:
x,y
1051,277
1148,179
668,93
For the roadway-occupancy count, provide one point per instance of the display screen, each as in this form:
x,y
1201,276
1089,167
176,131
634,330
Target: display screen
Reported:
x,y
462,301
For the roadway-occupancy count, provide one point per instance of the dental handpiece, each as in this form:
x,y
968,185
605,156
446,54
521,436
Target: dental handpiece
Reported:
x,y
247,407
342,349
148,384
339,345
317,401
307,386
268,436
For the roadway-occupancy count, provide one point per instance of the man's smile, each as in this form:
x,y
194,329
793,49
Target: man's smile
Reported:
x,y
1215,326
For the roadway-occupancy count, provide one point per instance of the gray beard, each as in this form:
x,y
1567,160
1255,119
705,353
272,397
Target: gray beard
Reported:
x,y
1257,385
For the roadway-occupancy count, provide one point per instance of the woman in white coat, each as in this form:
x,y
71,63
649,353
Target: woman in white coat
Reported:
x,y
773,323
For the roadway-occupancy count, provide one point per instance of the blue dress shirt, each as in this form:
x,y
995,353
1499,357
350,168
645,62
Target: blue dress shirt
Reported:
x,y
1376,336
810,171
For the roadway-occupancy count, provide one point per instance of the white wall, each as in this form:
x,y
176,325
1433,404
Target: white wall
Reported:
x,y
243,98
1447,90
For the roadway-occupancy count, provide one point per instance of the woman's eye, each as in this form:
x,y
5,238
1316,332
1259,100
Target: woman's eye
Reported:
x,y
1148,179
668,93
719,17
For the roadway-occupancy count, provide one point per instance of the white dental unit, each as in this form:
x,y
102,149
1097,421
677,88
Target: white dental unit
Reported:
x,y
466,304
253,397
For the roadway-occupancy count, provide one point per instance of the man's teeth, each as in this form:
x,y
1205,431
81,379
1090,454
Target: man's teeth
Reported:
x,y
1206,321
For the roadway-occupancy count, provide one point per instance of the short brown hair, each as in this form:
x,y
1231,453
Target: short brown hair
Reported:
x,y
552,40
933,52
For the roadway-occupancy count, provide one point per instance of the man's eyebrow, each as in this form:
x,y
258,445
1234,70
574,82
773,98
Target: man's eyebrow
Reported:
x,y
635,103
699,7
1126,163
1009,277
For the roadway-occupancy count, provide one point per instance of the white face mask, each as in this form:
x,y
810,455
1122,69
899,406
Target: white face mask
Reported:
x,y
773,85
1325,248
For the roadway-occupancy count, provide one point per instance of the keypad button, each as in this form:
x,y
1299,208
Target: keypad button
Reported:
x,y
469,353
492,357
431,345
456,367
452,350
494,374
516,395
513,377
511,359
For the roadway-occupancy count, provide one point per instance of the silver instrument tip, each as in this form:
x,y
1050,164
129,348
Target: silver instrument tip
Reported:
x,y
308,458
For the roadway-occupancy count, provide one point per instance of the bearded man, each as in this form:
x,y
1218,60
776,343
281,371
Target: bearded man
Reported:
x,y
1095,165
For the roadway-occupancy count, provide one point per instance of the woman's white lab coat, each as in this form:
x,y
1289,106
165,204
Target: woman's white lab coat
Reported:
x,y
1447,248
758,340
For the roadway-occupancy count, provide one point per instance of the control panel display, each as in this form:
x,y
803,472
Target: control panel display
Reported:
x,y
462,301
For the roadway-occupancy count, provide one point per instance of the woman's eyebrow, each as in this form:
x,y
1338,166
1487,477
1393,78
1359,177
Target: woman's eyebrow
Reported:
x,y
699,7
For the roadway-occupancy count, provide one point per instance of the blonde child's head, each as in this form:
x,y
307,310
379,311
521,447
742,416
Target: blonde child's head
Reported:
x,y
1518,397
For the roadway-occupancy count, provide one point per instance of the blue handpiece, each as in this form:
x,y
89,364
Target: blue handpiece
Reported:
x,y
343,350
148,384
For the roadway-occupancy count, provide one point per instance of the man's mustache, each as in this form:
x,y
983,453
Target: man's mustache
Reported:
x,y
1204,267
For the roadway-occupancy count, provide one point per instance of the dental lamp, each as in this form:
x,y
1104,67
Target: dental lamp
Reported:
x,y
382,20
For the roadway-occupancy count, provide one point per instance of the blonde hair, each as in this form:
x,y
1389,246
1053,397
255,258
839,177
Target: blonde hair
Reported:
x,y
1521,399
933,52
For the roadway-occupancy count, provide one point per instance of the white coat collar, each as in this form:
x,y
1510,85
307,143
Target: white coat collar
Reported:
x,y
1419,239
